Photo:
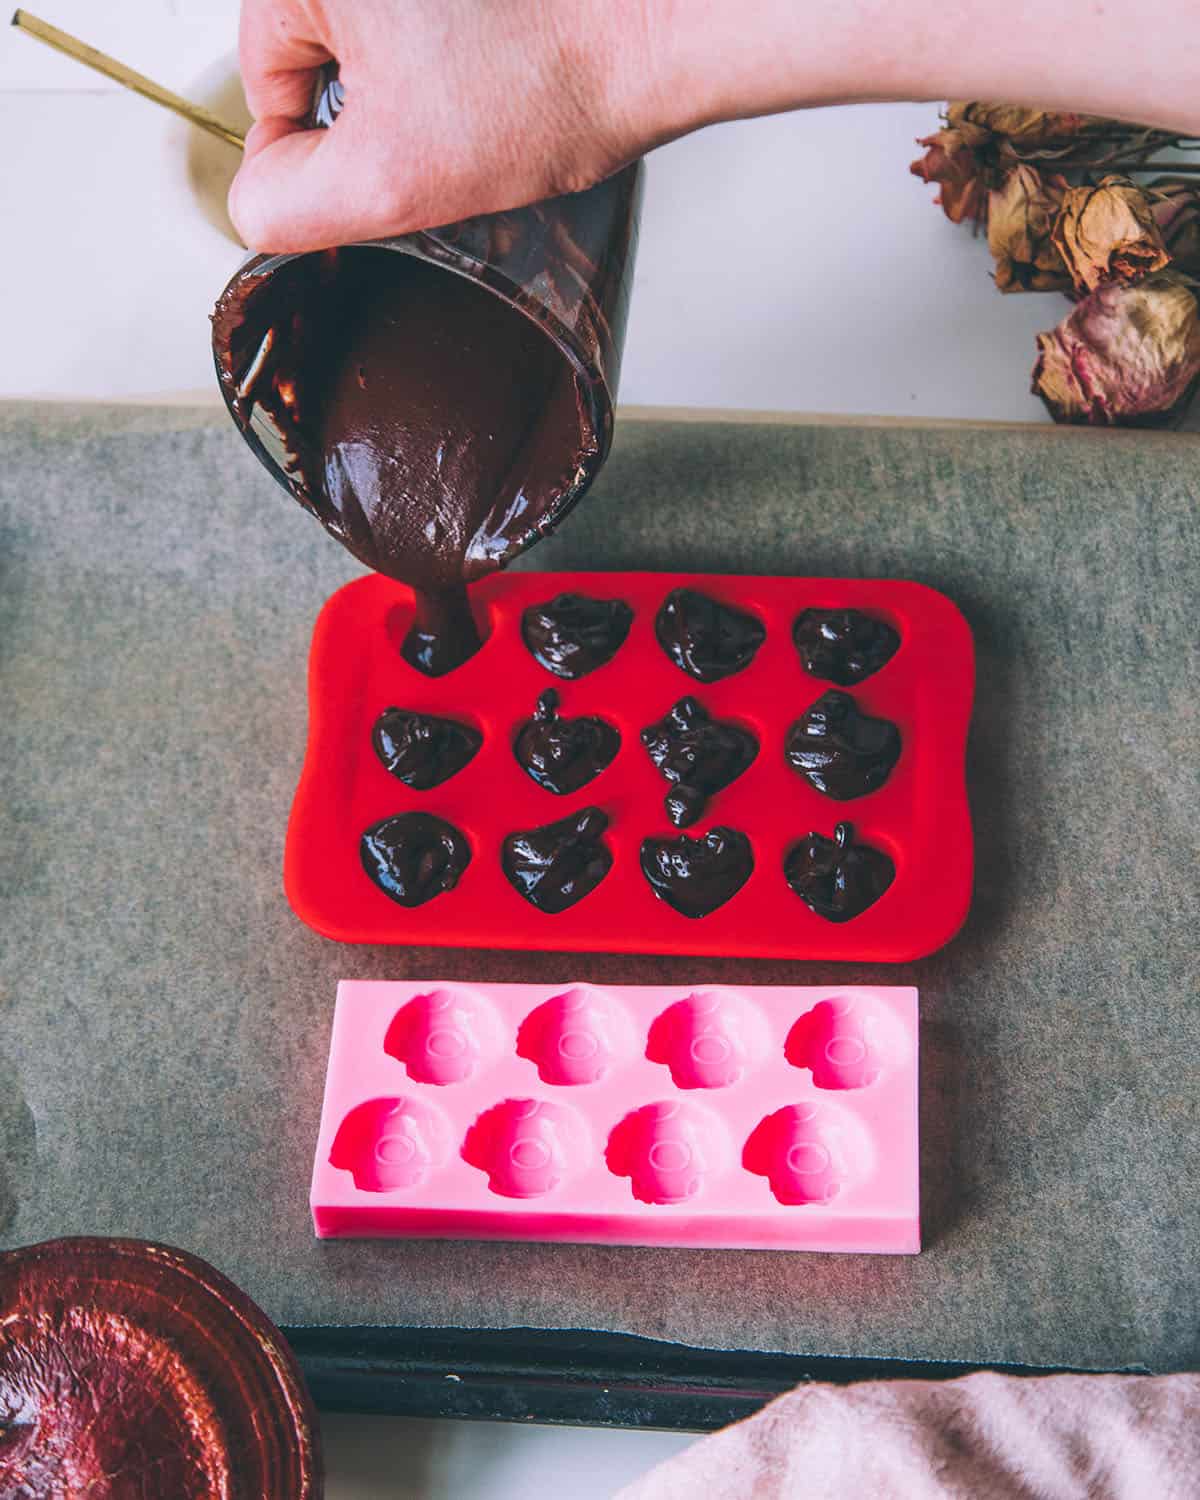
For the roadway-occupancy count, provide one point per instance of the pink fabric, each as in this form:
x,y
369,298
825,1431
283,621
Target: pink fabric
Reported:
x,y
983,1437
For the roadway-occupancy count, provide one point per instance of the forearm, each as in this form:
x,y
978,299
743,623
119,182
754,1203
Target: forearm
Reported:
x,y
1135,60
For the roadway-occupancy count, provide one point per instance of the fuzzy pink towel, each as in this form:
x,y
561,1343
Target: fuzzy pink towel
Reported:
x,y
983,1437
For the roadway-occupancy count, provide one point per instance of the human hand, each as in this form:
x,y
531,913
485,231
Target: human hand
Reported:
x,y
460,107
452,108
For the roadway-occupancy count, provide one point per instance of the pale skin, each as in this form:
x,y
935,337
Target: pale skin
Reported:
x,y
458,107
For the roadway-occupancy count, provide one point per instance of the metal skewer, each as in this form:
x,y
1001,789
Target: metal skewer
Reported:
x,y
63,41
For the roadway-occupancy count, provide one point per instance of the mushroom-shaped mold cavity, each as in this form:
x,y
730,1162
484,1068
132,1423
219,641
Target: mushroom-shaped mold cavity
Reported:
x,y
576,1037
528,1147
809,1153
708,1040
670,1150
848,1041
388,1144
444,1036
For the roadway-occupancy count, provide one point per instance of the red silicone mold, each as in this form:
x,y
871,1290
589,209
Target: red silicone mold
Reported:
x,y
918,817
752,1117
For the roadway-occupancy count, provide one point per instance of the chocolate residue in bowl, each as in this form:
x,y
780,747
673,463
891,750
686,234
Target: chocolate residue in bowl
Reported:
x,y
431,427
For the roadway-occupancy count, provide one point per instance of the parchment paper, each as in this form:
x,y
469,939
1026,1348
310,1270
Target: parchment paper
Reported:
x,y
164,1018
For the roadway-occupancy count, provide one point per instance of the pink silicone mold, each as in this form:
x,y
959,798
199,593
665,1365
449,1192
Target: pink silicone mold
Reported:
x,y
576,1037
846,1042
527,1147
709,1039
724,1116
441,1036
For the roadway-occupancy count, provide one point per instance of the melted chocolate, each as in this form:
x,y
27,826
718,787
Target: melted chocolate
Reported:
x,y
695,876
558,864
423,751
572,635
838,878
434,429
706,639
841,751
564,754
843,645
413,857
700,754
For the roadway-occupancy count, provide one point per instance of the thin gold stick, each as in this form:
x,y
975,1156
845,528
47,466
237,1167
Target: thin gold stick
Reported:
x,y
62,41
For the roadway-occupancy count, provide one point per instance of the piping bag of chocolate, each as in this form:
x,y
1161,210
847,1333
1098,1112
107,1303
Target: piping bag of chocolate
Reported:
x,y
441,400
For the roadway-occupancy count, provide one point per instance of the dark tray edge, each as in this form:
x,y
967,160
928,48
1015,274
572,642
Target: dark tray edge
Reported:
x,y
573,1377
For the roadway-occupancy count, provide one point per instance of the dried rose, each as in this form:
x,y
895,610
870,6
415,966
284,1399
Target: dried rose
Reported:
x,y
1125,356
1176,210
1108,233
1024,128
1020,217
951,161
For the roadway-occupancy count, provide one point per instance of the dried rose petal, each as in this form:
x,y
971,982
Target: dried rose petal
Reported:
x,y
129,1369
1125,356
1024,128
1021,214
1176,210
951,161
1108,233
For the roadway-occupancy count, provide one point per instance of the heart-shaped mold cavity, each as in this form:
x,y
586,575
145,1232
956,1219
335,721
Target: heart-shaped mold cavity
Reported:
x,y
705,638
695,876
670,1150
528,1147
843,645
571,635
837,878
560,863
698,754
388,1144
576,1037
560,754
809,1153
840,750
413,857
708,1040
444,1036
423,750
847,1041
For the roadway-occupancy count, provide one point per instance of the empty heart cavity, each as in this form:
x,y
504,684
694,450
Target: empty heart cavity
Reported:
x,y
387,1144
708,1040
445,1036
670,1151
848,1041
528,1147
809,1153
577,1037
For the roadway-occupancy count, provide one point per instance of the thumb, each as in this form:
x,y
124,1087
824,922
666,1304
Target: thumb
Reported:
x,y
300,190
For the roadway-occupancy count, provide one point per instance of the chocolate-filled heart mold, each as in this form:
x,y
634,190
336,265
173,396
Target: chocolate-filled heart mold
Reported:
x,y
843,645
572,706
841,750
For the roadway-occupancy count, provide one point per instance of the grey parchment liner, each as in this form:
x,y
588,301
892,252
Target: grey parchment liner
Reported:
x,y
164,1018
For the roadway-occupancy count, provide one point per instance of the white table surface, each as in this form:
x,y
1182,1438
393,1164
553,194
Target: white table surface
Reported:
x,y
785,264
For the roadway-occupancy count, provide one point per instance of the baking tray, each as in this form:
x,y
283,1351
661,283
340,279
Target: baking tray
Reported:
x,y
164,1019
